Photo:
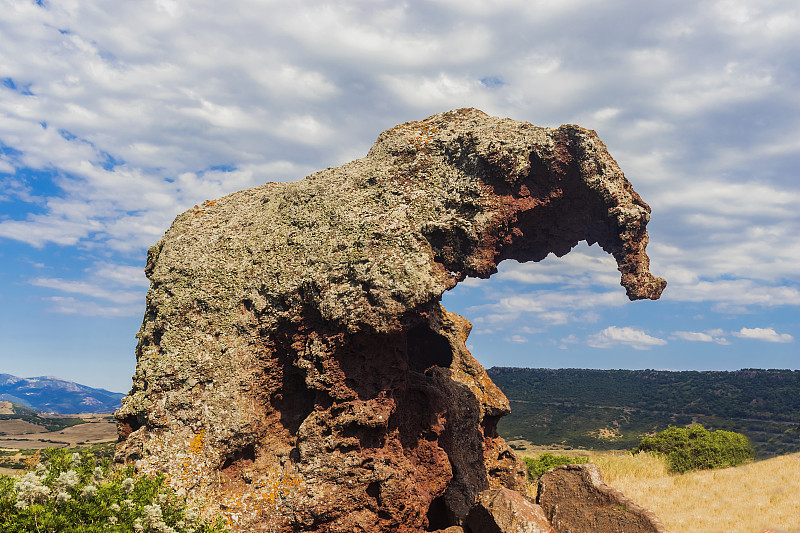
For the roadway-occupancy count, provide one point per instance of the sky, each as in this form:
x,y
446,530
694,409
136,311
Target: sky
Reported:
x,y
116,116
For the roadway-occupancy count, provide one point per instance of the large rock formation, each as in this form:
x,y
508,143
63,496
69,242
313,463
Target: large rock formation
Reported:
x,y
295,368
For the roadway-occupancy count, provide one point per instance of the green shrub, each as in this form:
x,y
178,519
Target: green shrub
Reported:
x,y
539,465
696,448
74,492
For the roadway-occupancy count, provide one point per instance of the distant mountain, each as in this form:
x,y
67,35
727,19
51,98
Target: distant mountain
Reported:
x,y
54,395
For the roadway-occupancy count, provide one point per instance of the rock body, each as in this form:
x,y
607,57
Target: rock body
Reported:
x,y
295,368
575,499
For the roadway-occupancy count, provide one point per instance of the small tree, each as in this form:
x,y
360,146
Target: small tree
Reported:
x,y
696,448
539,465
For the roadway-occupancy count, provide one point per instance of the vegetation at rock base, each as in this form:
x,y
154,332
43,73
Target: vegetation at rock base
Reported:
x,y
536,466
615,409
76,492
696,448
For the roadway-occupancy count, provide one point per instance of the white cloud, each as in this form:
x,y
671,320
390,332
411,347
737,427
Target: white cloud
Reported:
x,y
72,306
717,336
764,334
517,339
304,129
129,114
438,92
702,197
566,341
39,230
734,294
109,289
628,336
88,289
553,307
125,275
584,266
555,317
693,336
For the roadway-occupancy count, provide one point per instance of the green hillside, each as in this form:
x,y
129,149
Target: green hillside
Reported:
x,y
613,409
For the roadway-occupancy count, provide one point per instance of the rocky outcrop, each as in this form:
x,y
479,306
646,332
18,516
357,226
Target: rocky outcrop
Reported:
x,y
506,511
295,369
576,500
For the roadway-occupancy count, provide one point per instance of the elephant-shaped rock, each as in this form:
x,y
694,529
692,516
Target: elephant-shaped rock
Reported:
x,y
295,368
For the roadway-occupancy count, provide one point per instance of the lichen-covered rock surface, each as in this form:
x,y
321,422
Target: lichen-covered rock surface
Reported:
x,y
295,369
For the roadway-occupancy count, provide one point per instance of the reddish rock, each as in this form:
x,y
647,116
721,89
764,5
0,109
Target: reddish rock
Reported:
x,y
506,511
576,500
295,369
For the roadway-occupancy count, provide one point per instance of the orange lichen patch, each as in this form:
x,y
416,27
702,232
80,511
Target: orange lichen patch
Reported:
x,y
196,444
418,134
272,493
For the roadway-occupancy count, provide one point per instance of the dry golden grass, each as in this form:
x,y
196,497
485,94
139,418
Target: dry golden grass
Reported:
x,y
753,498
97,429
760,496
18,427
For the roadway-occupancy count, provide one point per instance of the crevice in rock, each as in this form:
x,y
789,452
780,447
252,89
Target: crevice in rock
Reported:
x,y
489,424
236,462
293,400
127,425
427,348
373,490
439,516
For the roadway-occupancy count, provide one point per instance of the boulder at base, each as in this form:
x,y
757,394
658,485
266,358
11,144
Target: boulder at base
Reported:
x,y
576,500
506,511
295,369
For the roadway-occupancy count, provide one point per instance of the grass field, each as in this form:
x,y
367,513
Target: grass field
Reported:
x,y
752,498
18,437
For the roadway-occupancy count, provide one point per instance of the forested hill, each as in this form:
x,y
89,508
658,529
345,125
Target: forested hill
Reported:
x,y
613,408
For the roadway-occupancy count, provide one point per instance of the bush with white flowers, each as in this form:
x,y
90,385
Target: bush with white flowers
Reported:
x,y
71,492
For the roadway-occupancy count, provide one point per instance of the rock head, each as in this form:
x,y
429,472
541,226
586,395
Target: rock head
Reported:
x,y
295,368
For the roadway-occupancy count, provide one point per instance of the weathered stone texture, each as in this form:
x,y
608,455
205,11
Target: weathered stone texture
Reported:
x,y
295,368
576,500
506,511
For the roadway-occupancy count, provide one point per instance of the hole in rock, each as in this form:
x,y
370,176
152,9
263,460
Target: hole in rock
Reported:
x,y
128,425
427,348
374,491
294,400
490,426
439,516
239,459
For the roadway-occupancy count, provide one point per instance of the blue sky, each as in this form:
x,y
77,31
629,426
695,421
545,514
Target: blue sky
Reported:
x,y
116,116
